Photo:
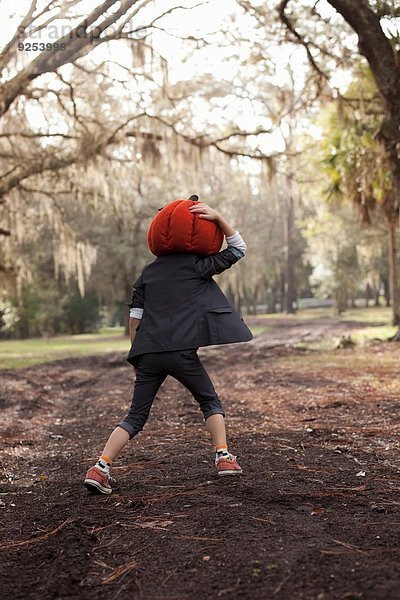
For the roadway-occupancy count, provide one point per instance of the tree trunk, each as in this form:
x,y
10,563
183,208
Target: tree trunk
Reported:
x,y
340,302
255,299
386,290
393,279
288,288
377,296
377,49
367,295
271,301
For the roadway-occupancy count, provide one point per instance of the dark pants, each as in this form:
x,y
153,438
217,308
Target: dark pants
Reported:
x,y
152,369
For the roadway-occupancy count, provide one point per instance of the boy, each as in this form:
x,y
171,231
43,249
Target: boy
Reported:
x,y
177,307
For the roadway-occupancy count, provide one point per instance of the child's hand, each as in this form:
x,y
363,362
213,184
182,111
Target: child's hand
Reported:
x,y
205,211
208,213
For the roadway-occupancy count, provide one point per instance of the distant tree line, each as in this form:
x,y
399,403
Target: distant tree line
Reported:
x,y
91,148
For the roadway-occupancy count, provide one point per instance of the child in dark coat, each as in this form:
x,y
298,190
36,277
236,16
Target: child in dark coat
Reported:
x,y
177,307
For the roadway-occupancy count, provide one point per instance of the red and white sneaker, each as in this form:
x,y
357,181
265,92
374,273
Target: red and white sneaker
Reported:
x,y
228,465
98,482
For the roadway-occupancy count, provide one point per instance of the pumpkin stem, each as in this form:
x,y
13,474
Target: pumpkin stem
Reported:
x,y
194,198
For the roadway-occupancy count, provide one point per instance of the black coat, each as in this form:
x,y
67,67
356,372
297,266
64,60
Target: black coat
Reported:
x,y
183,306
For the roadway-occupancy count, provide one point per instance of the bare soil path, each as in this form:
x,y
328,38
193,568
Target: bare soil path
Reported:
x,y
315,516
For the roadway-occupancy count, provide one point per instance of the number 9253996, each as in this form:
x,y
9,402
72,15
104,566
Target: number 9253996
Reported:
x,y
35,46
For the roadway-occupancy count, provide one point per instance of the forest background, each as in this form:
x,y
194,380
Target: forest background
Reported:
x,y
284,116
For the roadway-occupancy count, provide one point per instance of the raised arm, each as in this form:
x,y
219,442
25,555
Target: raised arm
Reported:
x,y
217,263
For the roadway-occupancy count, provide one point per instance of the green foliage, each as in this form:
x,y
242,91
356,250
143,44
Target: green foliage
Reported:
x,y
386,9
48,311
345,256
333,251
28,308
8,315
353,159
81,314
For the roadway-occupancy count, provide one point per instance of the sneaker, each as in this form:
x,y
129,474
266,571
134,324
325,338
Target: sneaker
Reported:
x,y
228,465
98,482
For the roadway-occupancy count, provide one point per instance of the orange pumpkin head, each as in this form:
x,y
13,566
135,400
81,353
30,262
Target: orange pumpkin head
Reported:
x,y
175,229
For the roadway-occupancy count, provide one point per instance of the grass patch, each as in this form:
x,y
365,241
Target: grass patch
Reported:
x,y
258,329
357,359
377,314
373,314
368,334
306,314
361,337
24,353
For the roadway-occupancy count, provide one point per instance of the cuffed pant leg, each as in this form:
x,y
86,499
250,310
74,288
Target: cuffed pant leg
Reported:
x,y
149,378
188,369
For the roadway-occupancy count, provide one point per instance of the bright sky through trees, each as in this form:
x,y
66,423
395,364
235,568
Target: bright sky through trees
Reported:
x,y
213,20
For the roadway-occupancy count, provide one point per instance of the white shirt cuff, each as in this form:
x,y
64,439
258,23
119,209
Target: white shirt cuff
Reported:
x,y
136,313
236,241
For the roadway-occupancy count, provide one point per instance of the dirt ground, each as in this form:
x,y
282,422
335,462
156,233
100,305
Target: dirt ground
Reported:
x,y
316,514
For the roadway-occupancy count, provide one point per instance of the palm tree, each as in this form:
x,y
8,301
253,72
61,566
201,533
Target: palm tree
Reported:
x,y
358,168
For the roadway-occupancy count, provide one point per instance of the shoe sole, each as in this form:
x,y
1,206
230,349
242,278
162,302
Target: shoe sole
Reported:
x,y
236,472
96,488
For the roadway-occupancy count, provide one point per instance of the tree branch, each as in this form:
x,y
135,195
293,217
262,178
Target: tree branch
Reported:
x,y
375,46
50,162
199,142
27,20
76,44
300,40
28,135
